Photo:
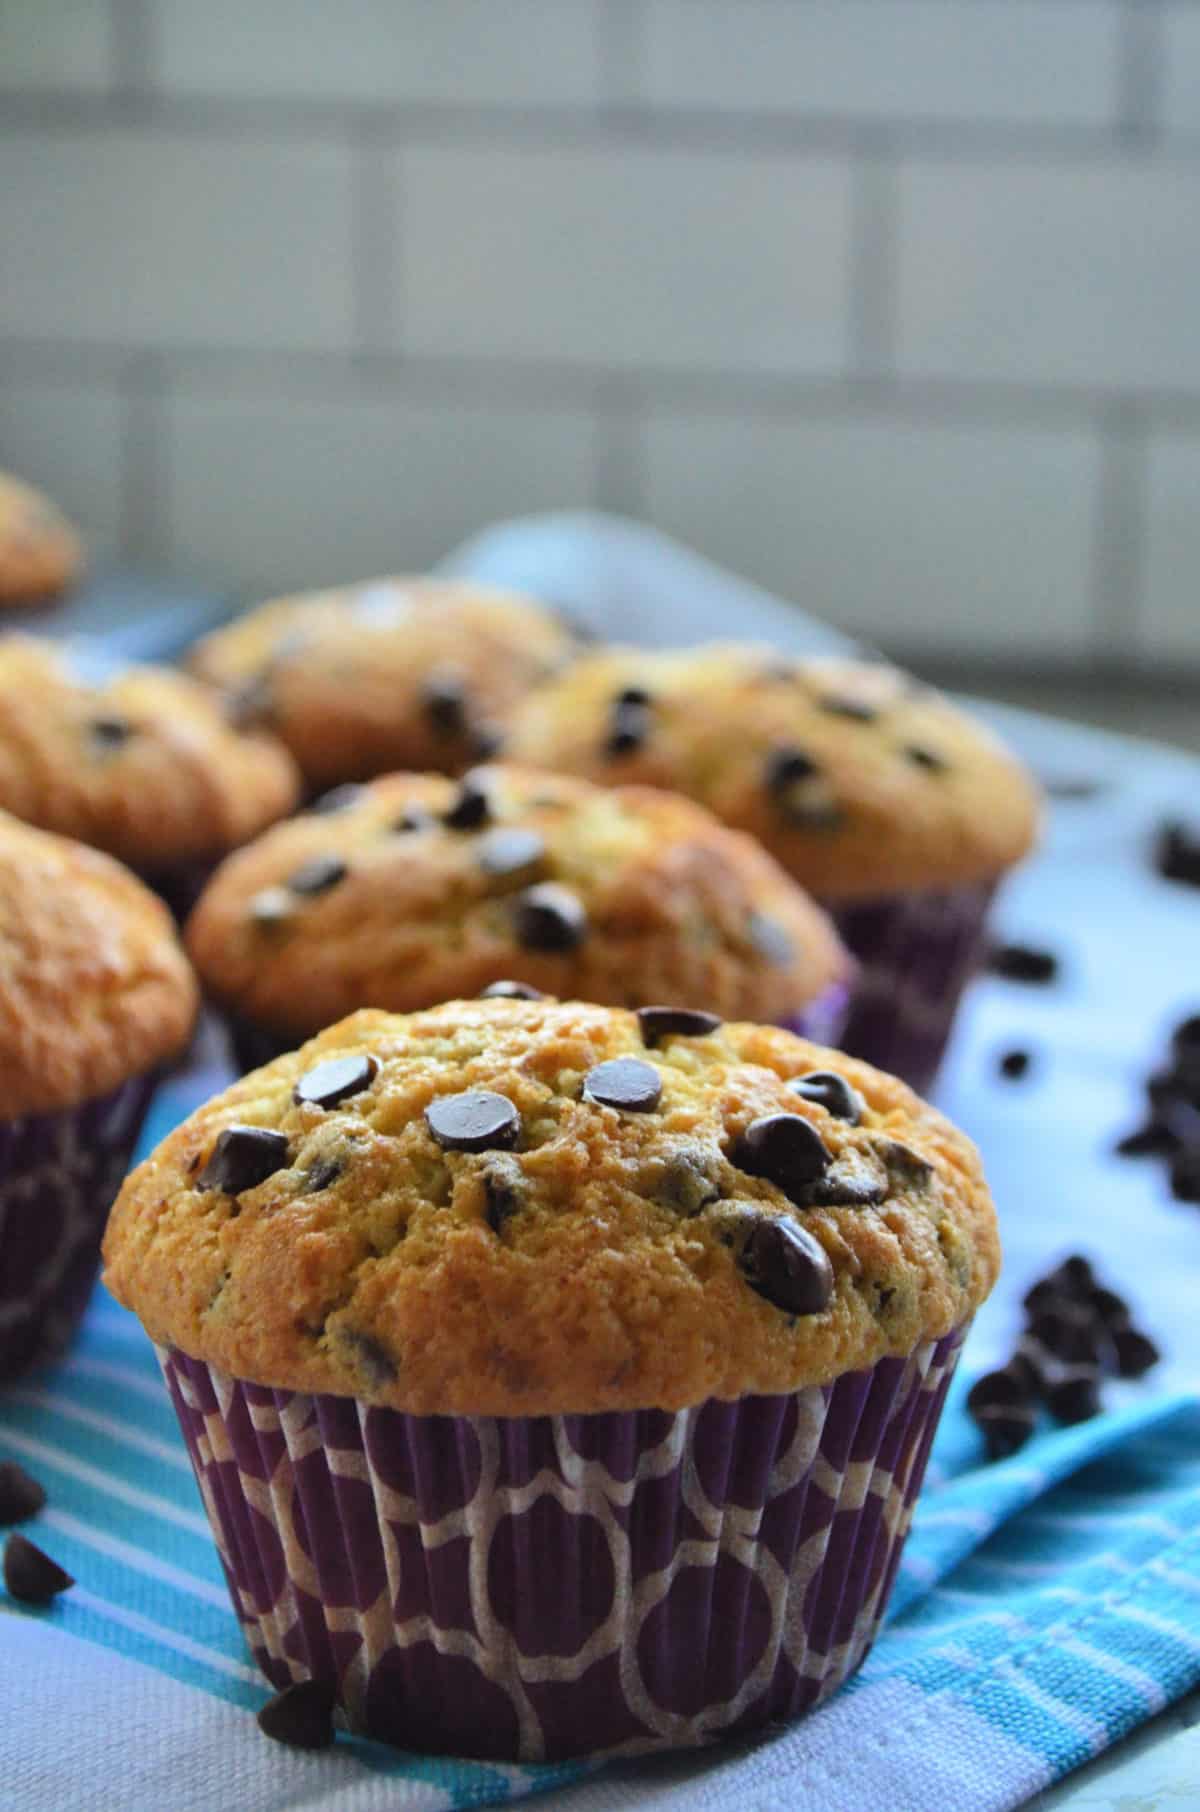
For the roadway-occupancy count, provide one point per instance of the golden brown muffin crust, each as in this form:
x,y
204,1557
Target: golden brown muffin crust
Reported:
x,y
598,1263
94,987
40,553
406,896
858,780
145,765
396,673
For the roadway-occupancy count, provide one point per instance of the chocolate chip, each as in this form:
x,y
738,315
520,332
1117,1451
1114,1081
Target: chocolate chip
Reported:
x,y
487,740
1153,1140
1014,1064
786,1265
1022,963
444,701
1075,1398
1112,1310
922,756
21,1495
1071,1337
1005,1430
243,1157
321,1173
786,767
336,1079
1004,1388
906,1167
412,818
632,698
626,1083
830,1091
549,917
472,808
31,1576
1135,1352
511,990
301,1715
1185,1177
338,799
1177,853
506,851
629,726
855,1179
785,1150
683,1180
503,1183
110,733
770,939
1185,1041
839,704
1074,1276
657,1023
317,875
476,1120
370,1356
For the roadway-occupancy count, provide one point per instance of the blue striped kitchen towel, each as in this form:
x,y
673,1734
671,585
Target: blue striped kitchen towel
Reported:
x,y
1045,1606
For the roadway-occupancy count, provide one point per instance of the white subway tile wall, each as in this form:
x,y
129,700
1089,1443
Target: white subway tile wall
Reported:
x,y
890,304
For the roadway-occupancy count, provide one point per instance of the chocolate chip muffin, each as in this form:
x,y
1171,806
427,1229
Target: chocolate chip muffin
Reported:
x,y
96,994
143,764
892,806
558,1378
398,673
40,553
418,888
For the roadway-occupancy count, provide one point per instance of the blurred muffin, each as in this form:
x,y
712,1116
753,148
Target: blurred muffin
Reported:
x,y
593,1368
143,765
40,553
418,888
398,673
96,993
894,808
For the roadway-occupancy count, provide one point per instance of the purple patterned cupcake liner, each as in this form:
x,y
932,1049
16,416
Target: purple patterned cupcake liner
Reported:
x,y
915,953
59,1174
555,1586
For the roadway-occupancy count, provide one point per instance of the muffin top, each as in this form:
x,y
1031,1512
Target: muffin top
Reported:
x,y
145,765
95,986
398,673
506,1207
417,889
40,552
859,780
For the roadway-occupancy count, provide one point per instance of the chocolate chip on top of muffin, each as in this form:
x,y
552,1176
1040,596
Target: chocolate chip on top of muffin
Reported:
x,y
398,673
418,888
523,1207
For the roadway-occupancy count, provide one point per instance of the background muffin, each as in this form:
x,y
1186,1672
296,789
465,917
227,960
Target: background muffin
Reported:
x,y
96,993
40,553
418,888
398,673
896,809
144,765
501,1304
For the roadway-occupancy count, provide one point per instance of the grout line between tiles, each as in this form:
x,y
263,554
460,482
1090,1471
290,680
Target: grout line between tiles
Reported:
x,y
1118,578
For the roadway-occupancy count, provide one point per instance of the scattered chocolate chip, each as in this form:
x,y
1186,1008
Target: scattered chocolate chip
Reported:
x,y
855,1179
1014,1064
502,1181
317,875
476,1120
784,1149
549,917
1135,1352
371,1357
905,1166
509,851
1153,1140
1185,1176
786,767
770,939
628,729
243,1157
1005,1388
785,1264
511,990
338,799
336,1079
487,740
472,808
271,906
1071,1337
683,1180
444,701
1074,1275
411,819
625,1083
321,1173
657,1023
1177,853
632,698
1022,963
1075,1398
110,732
1112,1310
1185,1041
31,1576
1005,1430
922,756
21,1495
830,1091
840,705
301,1715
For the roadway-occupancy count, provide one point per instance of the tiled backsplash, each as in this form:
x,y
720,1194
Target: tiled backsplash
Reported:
x,y
893,305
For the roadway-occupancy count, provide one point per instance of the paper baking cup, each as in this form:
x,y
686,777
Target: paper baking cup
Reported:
x,y
59,1174
553,1586
915,954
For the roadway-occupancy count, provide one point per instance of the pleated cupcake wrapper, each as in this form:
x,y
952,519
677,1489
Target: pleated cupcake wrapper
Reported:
x,y
915,953
59,1174
554,1586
